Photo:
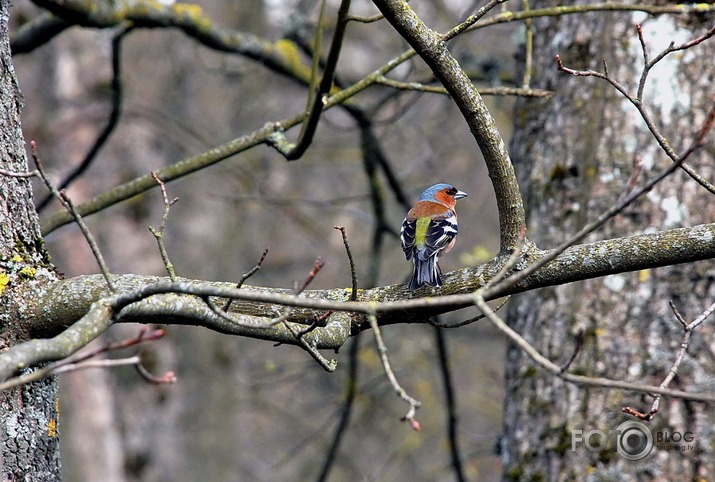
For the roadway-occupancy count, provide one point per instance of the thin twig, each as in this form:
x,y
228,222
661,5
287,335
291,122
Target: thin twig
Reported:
x,y
470,21
637,100
353,274
610,213
637,170
103,363
168,377
69,206
382,350
34,173
159,234
524,91
580,337
328,365
317,266
434,321
528,46
247,275
79,360
364,19
224,314
511,261
684,344
583,380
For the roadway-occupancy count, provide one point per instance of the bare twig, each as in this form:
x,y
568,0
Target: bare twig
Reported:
x,y
473,19
650,63
637,99
69,206
435,322
610,213
523,91
34,173
247,275
317,266
239,321
528,47
363,19
102,363
580,337
555,370
511,260
637,170
159,234
168,377
353,274
382,350
328,365
687,332
79,361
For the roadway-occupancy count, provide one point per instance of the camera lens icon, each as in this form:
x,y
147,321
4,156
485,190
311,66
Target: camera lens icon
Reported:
x,y
634,440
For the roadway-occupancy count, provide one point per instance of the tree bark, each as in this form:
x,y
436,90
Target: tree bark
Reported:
x,y
574,155
28,415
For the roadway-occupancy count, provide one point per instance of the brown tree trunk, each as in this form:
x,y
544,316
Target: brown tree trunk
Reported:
x,y
574,155
28,415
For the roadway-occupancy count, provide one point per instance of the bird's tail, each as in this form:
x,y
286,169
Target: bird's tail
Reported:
x,y
425,272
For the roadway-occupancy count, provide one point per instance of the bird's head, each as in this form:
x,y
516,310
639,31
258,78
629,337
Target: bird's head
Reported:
x,y
443,193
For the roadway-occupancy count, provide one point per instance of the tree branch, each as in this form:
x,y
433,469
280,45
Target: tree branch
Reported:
x,y
149,299
555,370
432,48
317,99
117,95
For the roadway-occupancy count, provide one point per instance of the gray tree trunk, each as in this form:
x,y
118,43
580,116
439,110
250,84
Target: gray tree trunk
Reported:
x,y
574,155
28,415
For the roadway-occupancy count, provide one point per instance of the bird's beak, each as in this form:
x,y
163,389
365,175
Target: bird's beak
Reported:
x,y
460,195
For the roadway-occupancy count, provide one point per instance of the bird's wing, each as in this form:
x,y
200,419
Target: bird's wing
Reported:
x,y
407,236
428,236
440,235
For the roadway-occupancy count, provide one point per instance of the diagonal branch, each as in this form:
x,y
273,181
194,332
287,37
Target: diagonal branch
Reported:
x,y
117,95
582,380
318,98
432,48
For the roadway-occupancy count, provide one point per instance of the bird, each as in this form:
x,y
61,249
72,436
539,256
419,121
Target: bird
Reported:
x,y
429,231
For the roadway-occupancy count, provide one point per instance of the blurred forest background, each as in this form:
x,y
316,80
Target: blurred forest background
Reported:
x,y
243,409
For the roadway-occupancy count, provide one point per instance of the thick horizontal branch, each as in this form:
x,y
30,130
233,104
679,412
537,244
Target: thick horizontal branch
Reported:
x,y
618,255
70,299
76,310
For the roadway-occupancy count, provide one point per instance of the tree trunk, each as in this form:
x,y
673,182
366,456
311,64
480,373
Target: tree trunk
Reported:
x,y
574,155
28,415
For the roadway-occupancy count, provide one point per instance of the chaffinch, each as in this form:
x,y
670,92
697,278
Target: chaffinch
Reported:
x,y
429,231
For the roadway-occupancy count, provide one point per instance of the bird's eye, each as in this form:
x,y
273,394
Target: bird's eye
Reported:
x,y
451,191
